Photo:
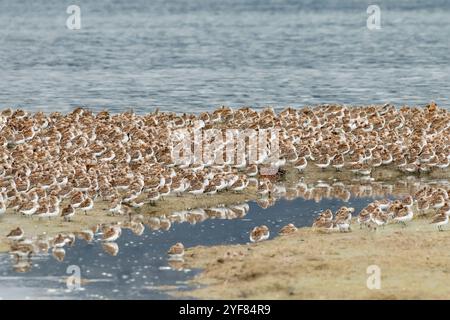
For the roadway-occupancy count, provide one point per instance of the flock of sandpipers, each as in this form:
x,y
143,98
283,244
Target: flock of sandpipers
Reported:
x,y
22,247
379,213
57,165
126,159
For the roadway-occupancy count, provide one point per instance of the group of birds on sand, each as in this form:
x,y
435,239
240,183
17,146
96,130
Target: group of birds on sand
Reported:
x,y
381,212
108,234
376,214
58,165
22,247
262,232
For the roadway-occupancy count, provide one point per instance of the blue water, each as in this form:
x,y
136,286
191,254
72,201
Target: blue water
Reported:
x,y
192,55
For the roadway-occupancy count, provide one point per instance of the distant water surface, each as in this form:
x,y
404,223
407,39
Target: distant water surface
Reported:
x,y
195,55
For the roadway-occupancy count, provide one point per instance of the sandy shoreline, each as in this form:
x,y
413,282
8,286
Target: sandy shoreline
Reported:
x,y
312,265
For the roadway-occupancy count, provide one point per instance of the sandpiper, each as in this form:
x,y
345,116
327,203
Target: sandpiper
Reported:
x,y
115,206
338,162
440,220
239,185
344,218
153,196
60,241
437,201
15,234
28,208
379,217
196,188
323,161
301,164
77,199
68,212
364,217
324,224
404,215
86,205
288,229
259,234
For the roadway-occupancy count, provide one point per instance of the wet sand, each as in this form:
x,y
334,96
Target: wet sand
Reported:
x,y
312,265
